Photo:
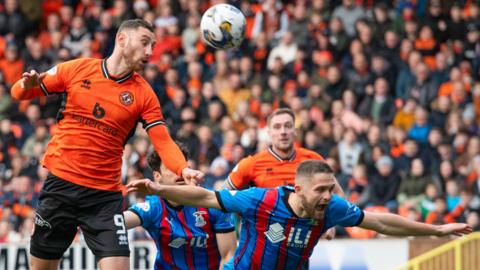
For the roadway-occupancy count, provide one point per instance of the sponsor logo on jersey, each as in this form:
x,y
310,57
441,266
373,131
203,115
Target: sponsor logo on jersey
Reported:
x,y
177,242
275,233
98,111
41,222
86,84
82,120
296,237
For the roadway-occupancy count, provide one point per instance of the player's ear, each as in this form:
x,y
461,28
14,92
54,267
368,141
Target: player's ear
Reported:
x,y
157,176
297,188
122,39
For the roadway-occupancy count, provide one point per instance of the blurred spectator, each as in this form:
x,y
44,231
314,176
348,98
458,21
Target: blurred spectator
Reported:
x,y
360,78
298,25
5,102
285,50
413,185
405,117
421,128
74,40
349,152
440,111
12,66
357,184
383,185
272,20
406,76
427,204
349,13
424,90
335,83
234,94
12,21
186,134
379,106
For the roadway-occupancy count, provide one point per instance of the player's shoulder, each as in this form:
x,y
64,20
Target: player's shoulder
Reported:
x,y
305,153
76,67
338,202
81,62
151,203
142,86
153,200
259,192
248,160
138,79
262,155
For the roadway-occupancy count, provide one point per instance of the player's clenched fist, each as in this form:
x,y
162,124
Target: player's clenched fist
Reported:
x,y
31,79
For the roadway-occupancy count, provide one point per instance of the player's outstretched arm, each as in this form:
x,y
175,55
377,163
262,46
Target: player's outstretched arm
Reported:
x,y
131,219
26,86
166,147
184,195
392,224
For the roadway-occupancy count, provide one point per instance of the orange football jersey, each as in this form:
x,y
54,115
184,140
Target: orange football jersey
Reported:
x,y
267,169
98,115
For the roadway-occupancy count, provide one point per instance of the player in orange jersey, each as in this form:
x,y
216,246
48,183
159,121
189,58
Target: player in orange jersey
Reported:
x,y
104,101
277,165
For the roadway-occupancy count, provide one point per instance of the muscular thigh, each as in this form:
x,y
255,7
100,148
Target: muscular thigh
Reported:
x,y
55,220
103,226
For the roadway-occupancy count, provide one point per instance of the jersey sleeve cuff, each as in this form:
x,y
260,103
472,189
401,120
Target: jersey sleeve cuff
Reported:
x,y
136,213
231,184
224,230
220,202
44,89
360,219
148,126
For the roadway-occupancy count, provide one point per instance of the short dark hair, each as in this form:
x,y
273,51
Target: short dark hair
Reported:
x,y
279,112
134,24
155,162
310,167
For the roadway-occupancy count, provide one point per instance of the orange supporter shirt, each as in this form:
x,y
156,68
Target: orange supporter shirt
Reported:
x,y
267,169
12,71
99,114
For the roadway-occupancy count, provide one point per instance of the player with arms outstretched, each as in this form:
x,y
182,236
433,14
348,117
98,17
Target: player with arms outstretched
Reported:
x,y
104,100
187,237
275,166
281,226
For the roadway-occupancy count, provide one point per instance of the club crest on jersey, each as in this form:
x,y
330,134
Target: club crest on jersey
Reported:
x,y
126,98
199,220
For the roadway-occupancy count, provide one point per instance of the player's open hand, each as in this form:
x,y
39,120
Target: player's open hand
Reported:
x,y
31,79
143,186
192,177
458,229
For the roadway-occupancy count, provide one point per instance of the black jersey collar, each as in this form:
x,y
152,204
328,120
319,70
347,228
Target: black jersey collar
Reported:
x,y
287,191
110,77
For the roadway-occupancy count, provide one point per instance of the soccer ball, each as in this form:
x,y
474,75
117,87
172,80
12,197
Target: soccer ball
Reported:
x,y
223,26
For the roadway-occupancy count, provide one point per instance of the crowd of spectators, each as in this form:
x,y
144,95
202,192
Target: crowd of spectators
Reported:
x,y
387,91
